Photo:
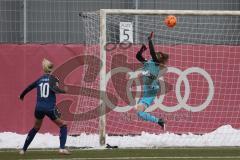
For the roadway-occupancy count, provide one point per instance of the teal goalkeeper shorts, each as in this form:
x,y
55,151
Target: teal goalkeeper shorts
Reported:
x,y
149,94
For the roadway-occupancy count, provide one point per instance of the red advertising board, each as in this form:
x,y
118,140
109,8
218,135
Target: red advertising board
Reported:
x,y
202,88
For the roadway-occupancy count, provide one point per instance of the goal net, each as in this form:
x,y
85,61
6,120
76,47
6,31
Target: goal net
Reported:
x,y
200,91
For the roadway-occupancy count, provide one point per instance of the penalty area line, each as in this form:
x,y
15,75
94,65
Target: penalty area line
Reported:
x,y
126,158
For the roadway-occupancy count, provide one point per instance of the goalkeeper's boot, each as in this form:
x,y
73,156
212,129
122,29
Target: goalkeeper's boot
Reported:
x,y
64,151
22,152
162,123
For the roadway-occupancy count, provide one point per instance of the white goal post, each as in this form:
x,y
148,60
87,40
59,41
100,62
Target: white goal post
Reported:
x,y
103,41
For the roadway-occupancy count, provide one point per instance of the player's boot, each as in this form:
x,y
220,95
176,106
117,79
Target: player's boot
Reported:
x,y
22,152
64,151
162,123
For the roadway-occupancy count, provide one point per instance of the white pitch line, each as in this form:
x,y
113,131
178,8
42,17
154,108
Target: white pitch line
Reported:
x,y
127,158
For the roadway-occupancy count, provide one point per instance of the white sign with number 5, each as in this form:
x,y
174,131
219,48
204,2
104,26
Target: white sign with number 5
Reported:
x,y
126,32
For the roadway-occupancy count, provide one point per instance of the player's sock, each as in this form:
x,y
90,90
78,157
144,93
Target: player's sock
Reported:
x,y
63,136
147,117
31,135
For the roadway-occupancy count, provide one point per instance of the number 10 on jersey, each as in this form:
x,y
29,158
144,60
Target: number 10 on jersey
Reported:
x,y
126,32
44,90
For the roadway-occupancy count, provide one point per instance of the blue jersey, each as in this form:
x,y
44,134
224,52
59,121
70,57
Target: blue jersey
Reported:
x,y
47,87
46,98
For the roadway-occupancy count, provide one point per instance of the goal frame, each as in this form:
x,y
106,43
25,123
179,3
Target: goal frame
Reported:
x,y
103,15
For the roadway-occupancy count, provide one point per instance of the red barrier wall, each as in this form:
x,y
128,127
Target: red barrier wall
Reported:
x,y
21,64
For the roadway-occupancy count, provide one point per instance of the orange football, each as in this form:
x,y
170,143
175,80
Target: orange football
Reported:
x,y
170,21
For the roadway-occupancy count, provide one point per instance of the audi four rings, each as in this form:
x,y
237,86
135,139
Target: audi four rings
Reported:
x,y
182,101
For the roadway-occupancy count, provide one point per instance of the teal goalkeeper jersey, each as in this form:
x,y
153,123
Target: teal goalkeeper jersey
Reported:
x,y
150,73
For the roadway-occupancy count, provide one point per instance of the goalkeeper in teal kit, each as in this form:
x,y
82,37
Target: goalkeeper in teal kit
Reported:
x,y
150,74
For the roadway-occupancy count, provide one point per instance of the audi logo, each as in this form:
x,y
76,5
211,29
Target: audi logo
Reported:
x,y
158,102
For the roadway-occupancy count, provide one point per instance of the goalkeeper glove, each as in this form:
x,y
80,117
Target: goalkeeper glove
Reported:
x,y
150,36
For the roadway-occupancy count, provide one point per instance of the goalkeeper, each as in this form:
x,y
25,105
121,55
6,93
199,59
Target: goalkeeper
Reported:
x,y
150,74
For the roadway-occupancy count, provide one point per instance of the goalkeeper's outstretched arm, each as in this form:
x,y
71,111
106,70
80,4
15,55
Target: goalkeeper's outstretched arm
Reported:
x,y
151,48
139,54
158,57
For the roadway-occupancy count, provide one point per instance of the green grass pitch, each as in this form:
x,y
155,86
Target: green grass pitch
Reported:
x,y
230,153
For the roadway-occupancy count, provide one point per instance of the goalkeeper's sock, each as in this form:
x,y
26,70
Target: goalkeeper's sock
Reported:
x,y
147,117
31,135
63,136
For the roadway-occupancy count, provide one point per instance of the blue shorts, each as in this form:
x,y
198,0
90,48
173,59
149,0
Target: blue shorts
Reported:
x,y
149,94
52,114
